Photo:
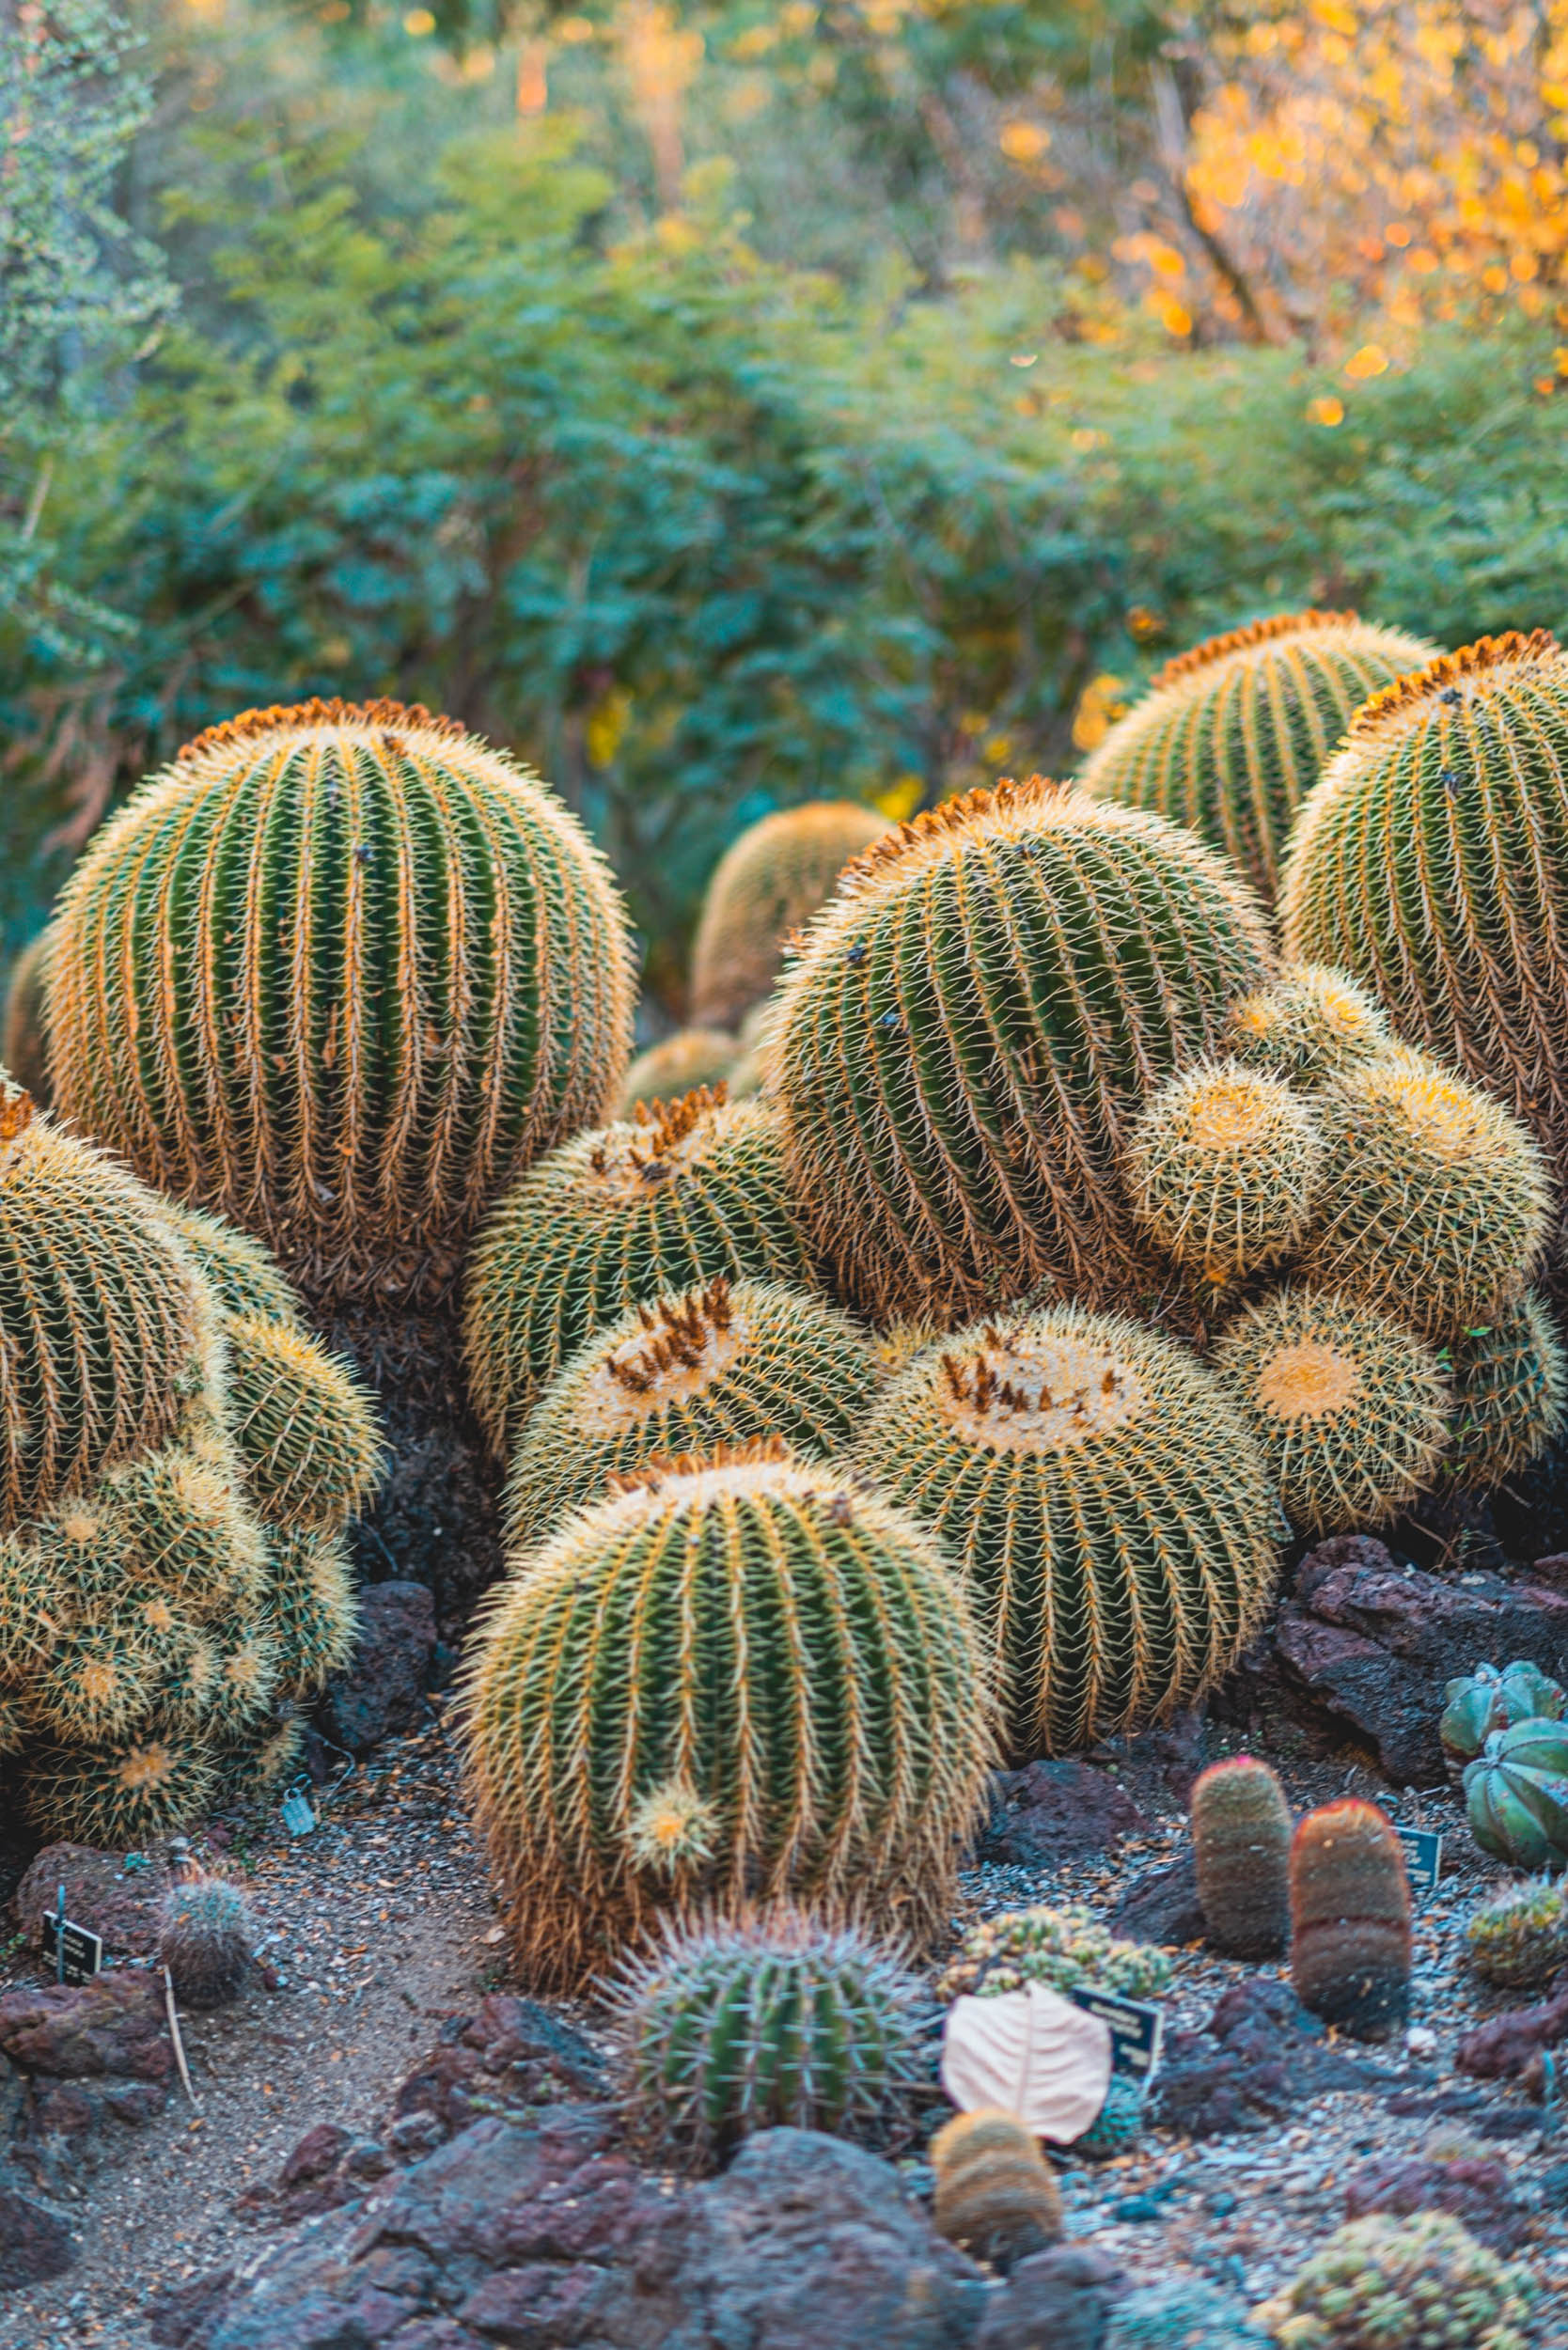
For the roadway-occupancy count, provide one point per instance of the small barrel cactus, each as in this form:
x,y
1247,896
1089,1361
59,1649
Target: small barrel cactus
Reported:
x,y
1434,1202
770,2020
119,1797
666,1201
1479,1702
1350,1919
764,886
739,1677
1308,1027
1510,1392
243,1275
1241,1834
1422,2283
1103,1503
1115,2126
1520,1938
23,1039
972,1025
206,1939
1064,1949
1349,1408
310,1606
1222,1168
302,1424
1230,736
342,972
689,1058
716,1366
1516,1795
996,2194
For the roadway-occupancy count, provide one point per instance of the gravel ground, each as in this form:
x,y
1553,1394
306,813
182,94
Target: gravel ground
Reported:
x,y
384,1926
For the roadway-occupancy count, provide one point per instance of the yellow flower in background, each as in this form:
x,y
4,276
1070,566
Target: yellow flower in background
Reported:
x,y
1326,410
900,799
606,725
1099,708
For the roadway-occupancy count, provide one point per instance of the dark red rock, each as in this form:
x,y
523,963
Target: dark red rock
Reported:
x,y
1058,2300
1053,1811
318,2150
1472,2189
381,1692
102,1893
116,2024
1506,2043
36,2242
1162,1905
1260,2057
512,2055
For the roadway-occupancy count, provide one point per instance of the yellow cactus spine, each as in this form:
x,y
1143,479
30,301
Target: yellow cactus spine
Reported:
x,y
1510,1393
24,1041
301,1424
766,884
1310,1027
720,1365
342,972
1105,1504
680,1194
1349,1408
1222,1168
995,2192
1230,736
689,1058
971,1027
745,1642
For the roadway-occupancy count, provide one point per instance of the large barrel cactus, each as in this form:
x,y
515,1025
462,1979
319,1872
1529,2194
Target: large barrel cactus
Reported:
x,y
1105,1506
741,1677
341,971
973,1023
1230,736
766,884
1431,863
665,1200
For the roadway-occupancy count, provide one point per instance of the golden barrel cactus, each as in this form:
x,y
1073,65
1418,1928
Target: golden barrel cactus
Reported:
x,y
1230,736
1105,1504
24,1043
971,1027
342,972
1222,1168
1510,1392
1309,1026
689,1058
766,884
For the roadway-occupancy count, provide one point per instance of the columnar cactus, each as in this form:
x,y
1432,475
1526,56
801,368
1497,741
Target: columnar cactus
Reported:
x,y
714,1366
1309,1026
1349,1408
1103,1503
770,2020
1350,1919
665,1201
341,971
689,1058
23,1043
1435,1203
1230,736
741,1677
1510,1392
1241,1834
1428,864
995,2192
1520,1938
971,1027
1404,2284
206,1939
1222,1168
766,884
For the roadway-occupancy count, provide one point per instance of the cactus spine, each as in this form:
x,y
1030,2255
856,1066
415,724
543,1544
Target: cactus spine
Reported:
x,y
766,884
1241,1834
667,1201
995,2192
1510,1392
689,1058
1310,1027
300,1422
749,1628
1520,1938
970,1029
1428,864
1404,2284
24,1043
770,2020
206,1937
1230,736
1435,1202
1350,1409
1222,1170
451,995
1350,1919
238,1270
1103,1503
715,1365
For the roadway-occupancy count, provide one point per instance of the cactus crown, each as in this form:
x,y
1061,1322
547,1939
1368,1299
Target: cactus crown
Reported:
x,y
258,726
16,1109
1242,639
682,1335
1413,694
1310,1024
1039,1387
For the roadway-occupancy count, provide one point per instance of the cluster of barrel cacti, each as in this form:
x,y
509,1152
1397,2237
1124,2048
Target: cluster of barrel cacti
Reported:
x,y
1422,2283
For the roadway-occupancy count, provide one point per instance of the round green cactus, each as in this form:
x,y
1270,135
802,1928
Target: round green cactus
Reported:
x,y
242,1275
119,1798
996,2195
186,1530
104,1324
310,1606
1115,2128
740,1678
766,884
340,972
714,1366
1308,1027
611,1220
1230,736
302,1424
1222,1168
1241,1836
769,2021
1477,1703
24,1041
689,1058
1516,1795
1510,1392
1435,1203
206,1939
1350,1409
1428,864
972,1026
1102,1500
1404,2284
1520,1938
